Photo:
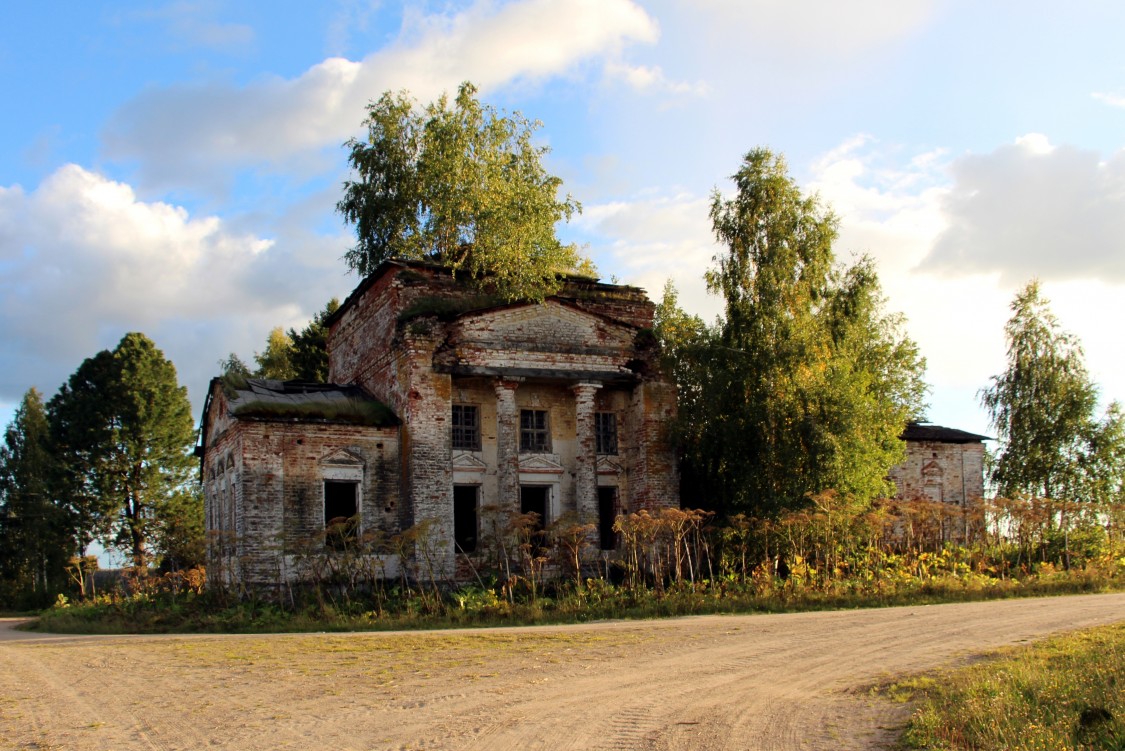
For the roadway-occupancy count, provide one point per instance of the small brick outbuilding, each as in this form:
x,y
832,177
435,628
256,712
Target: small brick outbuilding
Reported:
x,y
941,464
442,404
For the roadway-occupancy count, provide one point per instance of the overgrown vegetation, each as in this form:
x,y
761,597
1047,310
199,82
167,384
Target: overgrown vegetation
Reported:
x,y
459,183
1062,694
806,381
836,553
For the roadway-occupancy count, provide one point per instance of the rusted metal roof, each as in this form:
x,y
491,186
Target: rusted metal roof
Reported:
x,y
303,400
924,431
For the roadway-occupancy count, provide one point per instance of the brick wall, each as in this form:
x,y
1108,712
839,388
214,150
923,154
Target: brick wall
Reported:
x,y
949,472
278,478
410,365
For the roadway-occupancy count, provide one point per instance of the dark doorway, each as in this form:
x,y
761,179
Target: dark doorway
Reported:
x,y
533,500
607,515
465,518
341,513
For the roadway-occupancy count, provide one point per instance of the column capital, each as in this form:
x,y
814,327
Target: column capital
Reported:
x,y
506,383
586,385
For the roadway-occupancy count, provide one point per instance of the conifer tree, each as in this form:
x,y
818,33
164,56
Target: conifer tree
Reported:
x,y
123,433
35,542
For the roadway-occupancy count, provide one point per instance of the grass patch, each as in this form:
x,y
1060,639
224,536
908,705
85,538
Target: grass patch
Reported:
x,y
1067,692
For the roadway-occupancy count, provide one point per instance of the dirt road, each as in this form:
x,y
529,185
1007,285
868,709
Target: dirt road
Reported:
x,y
715,682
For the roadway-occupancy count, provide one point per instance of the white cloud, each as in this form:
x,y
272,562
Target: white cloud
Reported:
x,y
654,238
652,78
84,261
1113,100
1034,210
896,210
196,132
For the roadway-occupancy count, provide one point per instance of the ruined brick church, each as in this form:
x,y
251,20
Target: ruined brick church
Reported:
x,y
441,404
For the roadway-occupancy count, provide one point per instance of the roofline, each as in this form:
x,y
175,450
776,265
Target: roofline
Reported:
x,y
959,436
402,263
564,302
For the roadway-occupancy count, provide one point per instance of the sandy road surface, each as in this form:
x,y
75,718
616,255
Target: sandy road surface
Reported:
x,y
714,682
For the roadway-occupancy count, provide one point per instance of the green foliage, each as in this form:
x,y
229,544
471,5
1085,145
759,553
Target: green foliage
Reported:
x,y
233,366
124,434
1043,409
275,361
35,540
447,308
309,347
806,383
180,539
1064,693
460,184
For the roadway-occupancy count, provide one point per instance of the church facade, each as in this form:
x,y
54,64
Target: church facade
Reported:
x,y
446,408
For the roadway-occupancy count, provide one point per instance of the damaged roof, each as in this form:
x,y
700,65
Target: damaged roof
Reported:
x,y
304,400
924,431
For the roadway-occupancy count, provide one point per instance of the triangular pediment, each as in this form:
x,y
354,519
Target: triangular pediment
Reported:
x,y
540,463
468,463
342,458
608,465
548,325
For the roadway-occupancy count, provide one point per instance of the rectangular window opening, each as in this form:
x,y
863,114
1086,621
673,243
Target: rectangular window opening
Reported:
x,y
341,513
465,519
605,432
466,427
535,433
607,515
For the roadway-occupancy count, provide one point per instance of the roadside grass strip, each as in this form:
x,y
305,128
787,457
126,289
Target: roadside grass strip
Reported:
x,y
1067,692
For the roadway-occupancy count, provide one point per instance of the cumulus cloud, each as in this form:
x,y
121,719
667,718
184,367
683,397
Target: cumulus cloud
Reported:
x,y
894,207
191,132
1033,209
85,261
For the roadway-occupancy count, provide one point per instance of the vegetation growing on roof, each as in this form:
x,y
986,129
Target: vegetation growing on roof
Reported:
x,y
232,382
447,308
352,410
463,184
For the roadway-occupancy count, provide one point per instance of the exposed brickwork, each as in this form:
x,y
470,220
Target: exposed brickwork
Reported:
x,y
941,471
276,470
420,342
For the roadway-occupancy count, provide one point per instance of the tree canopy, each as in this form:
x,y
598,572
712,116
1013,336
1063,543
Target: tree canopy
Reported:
x,y
461,184
123,434
1043,408
35,540
275,360
290,354
806,383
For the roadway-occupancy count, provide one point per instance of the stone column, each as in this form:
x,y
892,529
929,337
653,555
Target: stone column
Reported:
x,y
585,455
507,444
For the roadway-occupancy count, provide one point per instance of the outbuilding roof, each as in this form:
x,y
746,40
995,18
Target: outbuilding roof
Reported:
x,y
924,431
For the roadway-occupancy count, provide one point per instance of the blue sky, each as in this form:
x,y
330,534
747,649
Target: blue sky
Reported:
x,y
173,168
